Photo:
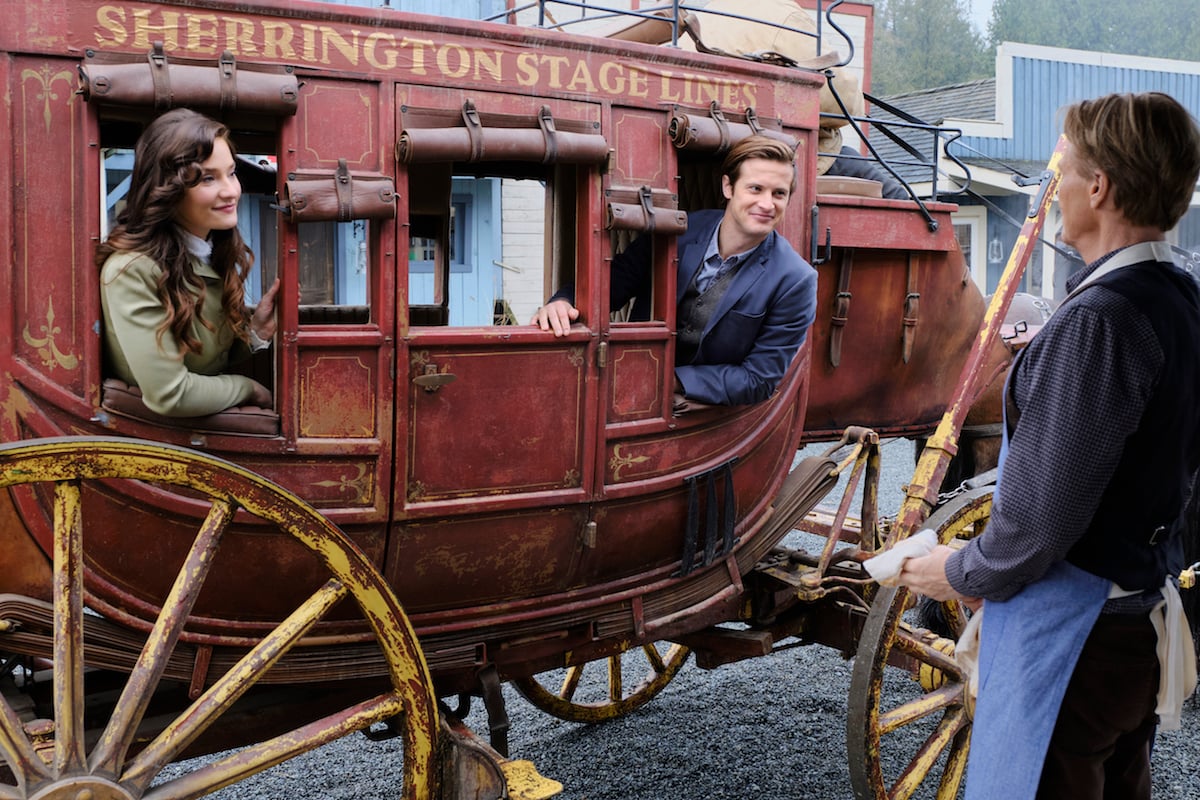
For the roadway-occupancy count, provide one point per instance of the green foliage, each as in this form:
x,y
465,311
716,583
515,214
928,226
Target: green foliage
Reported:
x,y
1158,28
922,44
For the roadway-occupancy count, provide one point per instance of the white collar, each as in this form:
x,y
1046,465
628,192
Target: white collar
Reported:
x,y
1133,254
200,248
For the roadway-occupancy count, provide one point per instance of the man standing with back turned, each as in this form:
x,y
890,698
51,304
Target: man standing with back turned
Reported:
x,y
1083,650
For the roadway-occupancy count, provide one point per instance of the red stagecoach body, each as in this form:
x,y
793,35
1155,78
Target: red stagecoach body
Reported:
x,y
526,497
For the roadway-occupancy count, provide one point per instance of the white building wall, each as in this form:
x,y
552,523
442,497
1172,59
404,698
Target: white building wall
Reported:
x,y
523,245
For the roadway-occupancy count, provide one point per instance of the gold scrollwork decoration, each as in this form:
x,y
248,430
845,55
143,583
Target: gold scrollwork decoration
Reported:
x,y
575,356
47,93
619,462
359,485
572,479
47,348
416,492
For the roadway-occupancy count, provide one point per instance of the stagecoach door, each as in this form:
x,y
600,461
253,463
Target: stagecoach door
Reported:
x,y
499,417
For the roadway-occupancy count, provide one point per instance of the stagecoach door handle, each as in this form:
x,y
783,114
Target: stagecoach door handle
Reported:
x,y
431,380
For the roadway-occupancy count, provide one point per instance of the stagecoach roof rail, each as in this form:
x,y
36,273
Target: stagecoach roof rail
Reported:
x,y
675,13
892,129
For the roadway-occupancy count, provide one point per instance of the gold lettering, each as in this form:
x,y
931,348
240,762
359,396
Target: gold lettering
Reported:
x,y
201,33
277,40
371,54
348,48
669,94
418,57
751,94
443,61
527,71
706,91
731,93
239,36
144,30
112,20
556,63
609,82
308,46
582,79
639,83
491,63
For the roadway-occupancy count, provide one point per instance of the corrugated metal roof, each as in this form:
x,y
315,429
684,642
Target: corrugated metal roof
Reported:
x,y
1023,103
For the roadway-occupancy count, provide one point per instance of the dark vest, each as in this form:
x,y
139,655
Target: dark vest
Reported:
x,y
695,310
1136,535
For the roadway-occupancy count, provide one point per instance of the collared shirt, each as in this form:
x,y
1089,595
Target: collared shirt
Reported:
x,y
713,266
1100,361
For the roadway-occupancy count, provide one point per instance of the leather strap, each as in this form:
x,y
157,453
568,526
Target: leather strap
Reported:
x,y
343,185
227,72
161,77
546,123
470,117
912,302
841,308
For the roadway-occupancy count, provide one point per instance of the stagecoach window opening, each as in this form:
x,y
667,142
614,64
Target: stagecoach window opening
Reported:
x,y
333,271
478,245
258,224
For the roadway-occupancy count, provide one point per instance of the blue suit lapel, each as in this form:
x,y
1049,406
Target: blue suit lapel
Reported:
x,y
691,254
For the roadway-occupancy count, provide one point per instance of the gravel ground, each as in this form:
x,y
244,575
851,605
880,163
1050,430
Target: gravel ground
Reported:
x,y
771,727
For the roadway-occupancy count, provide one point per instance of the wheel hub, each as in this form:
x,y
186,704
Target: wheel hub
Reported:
x,y
930,676
83,788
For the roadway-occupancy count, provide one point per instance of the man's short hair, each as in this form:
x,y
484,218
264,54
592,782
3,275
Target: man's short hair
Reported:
x,y
758,146
1149,147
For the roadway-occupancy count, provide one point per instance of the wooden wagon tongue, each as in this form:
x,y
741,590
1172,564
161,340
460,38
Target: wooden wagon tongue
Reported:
x,y
921,493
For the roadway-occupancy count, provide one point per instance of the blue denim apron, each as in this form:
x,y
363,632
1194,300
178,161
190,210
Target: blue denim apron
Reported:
x,y
1029,645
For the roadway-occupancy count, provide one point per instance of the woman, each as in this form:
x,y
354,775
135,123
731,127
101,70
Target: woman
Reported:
x,y
173,274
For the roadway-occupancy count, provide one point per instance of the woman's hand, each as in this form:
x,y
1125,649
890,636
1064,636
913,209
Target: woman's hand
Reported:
x,y
262,321
261,396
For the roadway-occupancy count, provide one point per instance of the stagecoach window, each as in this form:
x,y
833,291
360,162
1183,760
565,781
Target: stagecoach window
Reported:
x,y
333,259
477,246
256,220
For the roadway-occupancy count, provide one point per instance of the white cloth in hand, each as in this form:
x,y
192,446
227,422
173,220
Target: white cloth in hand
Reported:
x,y
885,567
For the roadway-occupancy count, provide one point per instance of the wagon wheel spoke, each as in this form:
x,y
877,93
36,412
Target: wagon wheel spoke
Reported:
x,y
18,751
68,638
122,726
85,473
908,703
590,694
251,760
230,686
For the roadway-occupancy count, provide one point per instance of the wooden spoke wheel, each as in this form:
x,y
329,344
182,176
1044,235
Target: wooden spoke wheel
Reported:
x,y
598,690
910,728
57,759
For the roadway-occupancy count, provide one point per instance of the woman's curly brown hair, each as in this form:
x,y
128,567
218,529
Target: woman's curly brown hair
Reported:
x,y
166,164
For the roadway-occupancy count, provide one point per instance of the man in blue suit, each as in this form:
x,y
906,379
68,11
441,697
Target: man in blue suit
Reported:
x,y
745,297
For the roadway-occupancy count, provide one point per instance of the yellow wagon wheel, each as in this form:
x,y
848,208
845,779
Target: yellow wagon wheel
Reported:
x,y
597,691
910,727
69,762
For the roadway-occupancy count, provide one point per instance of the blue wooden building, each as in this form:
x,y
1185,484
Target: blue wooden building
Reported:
x,y
1010,125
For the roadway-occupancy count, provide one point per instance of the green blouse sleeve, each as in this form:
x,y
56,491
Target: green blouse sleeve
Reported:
x,y
132,315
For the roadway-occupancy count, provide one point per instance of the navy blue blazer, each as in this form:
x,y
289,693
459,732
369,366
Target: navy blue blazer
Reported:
x,y
757,327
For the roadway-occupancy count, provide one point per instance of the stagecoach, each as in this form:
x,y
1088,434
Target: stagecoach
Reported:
x,y
443,499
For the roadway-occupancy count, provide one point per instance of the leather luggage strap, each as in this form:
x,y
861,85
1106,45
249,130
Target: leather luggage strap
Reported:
x,y
912,301
161,77
343,185
841,308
